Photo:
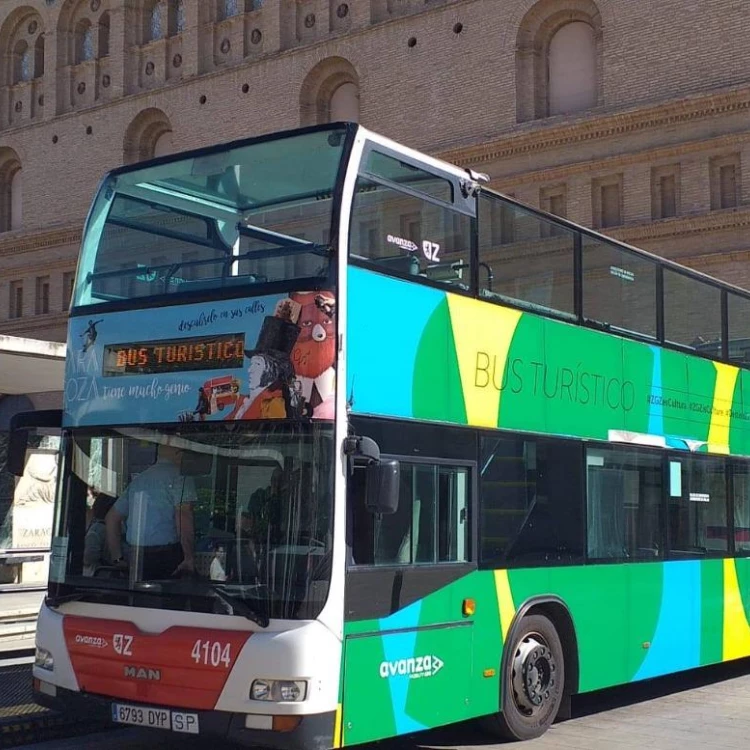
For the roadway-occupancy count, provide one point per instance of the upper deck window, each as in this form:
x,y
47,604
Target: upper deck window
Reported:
x,y
692,313
247,215
524,258
404,221
619,288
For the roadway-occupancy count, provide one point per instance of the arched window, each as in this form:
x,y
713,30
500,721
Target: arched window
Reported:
x,y
27,65
148,135
344,103
11,191
22,63
558,58
16,199
104,25
155,26
39,57
164,144
571,65
228,9
180,16
330,92
84,41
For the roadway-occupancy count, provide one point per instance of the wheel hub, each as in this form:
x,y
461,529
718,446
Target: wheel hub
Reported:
x,y
534,675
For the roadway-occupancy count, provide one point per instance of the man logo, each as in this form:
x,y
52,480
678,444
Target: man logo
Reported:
x,y
143,673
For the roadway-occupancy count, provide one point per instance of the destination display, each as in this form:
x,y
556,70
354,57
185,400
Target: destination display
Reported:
x,y
174,355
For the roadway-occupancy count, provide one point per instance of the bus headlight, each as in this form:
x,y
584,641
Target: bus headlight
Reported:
x,y
288,691
44,659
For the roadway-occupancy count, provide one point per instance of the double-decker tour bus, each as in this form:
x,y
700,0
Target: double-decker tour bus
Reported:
x,y
480,459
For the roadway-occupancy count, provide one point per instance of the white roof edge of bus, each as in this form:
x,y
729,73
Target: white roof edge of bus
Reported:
x,y
419,156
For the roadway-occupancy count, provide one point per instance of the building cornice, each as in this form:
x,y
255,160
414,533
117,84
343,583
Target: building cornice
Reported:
x,y
728,219
550,133
612,163
31,325
28,241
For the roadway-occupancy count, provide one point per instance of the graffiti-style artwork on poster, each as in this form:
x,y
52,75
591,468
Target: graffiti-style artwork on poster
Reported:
x,y
269,358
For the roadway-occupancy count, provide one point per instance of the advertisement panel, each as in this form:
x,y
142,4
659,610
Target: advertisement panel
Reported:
x,y
269,357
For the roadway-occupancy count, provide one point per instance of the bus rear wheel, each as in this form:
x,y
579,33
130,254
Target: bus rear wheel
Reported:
x,y
533,681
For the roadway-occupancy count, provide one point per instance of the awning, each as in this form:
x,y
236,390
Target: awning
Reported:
x,y
30,365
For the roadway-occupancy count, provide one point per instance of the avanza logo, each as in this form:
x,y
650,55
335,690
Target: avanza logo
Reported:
x,y
94,641
142,673
414,667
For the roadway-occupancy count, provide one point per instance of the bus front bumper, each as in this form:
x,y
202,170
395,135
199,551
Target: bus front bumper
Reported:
x,y
312,732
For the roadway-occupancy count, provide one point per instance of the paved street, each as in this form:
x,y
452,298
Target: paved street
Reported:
x,y
701,709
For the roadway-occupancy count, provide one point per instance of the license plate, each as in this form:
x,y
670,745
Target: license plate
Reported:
x,y
155,718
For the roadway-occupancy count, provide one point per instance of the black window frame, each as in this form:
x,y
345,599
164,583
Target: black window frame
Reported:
x,y
425,440
538,438
461,203
677,554
731,463
659,454
471,505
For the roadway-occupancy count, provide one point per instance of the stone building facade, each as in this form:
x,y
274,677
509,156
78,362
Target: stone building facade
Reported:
x,y
627,115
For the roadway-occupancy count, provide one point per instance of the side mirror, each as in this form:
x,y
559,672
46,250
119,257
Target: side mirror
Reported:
x,y
382,486
20,424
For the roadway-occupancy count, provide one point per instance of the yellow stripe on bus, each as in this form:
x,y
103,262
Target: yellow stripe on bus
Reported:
x,y
482,334
337,728
736,629
507,609
718,432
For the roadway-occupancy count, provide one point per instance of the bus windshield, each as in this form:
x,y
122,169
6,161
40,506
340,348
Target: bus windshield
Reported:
x,y
169,518
253,214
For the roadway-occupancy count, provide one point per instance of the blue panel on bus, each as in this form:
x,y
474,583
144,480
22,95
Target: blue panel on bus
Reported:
x,y
676,642
382,308
268,357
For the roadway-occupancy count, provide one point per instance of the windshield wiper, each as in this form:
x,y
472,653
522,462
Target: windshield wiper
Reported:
x,y
239,606
55,601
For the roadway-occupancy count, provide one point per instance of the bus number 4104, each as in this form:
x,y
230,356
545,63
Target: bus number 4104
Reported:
x,y
212,653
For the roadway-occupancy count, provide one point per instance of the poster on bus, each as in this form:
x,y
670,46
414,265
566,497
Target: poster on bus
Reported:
x,y
264,358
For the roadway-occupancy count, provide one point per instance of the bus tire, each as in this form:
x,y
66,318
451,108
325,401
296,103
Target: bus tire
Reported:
x,y
533,681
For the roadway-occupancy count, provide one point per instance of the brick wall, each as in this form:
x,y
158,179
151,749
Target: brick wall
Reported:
x,y
674,88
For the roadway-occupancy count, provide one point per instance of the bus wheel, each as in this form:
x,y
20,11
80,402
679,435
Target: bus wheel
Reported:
x,y
533,681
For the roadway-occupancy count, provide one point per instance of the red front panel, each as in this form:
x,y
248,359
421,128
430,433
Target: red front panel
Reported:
x,y
183,667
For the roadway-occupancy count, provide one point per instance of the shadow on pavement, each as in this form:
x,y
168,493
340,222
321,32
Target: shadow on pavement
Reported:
x,y
469,734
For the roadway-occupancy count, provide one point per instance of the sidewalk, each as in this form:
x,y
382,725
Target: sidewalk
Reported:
x,y
18,613
22,721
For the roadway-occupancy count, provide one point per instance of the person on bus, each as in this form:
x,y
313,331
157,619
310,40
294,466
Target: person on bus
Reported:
x,y
95,542
217,570
246,563
158,508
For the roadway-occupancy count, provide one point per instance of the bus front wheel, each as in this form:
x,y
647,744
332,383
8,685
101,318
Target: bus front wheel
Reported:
x,y
533,681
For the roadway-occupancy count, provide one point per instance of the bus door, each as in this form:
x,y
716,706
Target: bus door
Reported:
x,y
408,646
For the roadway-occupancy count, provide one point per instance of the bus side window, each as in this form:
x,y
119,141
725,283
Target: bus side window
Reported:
x,y
360,521
431,523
